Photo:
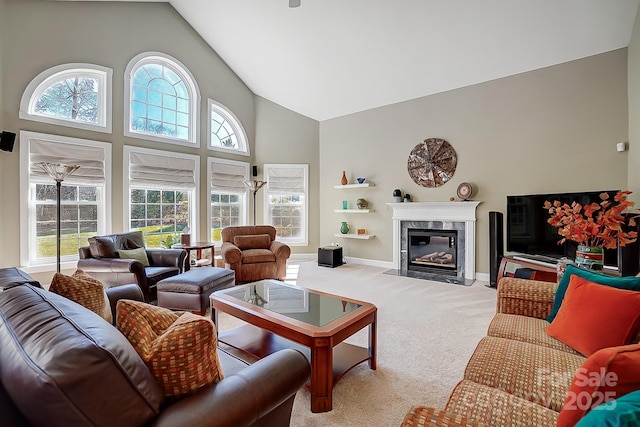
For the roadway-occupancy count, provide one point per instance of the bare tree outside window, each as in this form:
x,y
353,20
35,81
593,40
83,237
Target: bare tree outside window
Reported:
x,y
73,98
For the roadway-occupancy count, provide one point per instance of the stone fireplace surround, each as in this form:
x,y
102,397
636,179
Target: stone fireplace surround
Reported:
x,y
459,216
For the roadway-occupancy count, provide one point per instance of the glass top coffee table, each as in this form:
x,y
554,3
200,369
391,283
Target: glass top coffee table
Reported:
x,y
280,315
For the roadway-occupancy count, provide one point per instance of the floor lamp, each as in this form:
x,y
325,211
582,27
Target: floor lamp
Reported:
x,y
254,186
58,172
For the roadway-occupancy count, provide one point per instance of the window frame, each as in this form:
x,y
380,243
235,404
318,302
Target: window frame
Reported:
x,y
234,122
211,161
50,76
127,187
28,243
190,83
304,241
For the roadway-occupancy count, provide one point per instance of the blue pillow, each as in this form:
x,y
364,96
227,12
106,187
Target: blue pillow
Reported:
x,y
623,411
630,283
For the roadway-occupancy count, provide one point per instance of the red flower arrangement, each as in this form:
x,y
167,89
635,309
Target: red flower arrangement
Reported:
x,y
597,224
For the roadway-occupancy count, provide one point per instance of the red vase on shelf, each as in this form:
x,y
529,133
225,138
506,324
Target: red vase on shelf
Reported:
x,y
344,180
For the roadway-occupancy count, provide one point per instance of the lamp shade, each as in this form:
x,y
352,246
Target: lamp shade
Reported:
x,y
58,171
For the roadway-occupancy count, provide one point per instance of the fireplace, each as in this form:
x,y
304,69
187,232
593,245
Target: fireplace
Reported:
x,y
448,227
432,251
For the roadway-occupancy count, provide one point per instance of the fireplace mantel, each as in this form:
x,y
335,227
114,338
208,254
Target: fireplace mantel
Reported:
x,y
438,211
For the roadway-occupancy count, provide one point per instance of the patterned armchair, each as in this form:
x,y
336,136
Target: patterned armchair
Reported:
x,y
253,253
101,259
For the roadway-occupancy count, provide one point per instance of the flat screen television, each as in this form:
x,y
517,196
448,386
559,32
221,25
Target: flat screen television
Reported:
x,y
529,233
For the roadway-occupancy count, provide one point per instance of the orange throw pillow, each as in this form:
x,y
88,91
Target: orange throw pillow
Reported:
x,y
593,317
606,375
180,349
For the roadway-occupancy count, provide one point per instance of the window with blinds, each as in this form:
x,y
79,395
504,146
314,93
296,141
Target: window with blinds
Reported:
x,y
85,196
228,195
162,188
286,201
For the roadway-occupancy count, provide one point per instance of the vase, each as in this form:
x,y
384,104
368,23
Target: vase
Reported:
x,y
362,203
344,180
590,257
344,228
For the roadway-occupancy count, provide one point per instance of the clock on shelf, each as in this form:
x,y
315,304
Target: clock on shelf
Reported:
x,y
465,191
432,162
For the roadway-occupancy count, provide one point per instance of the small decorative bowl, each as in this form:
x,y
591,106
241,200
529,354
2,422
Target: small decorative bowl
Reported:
x,y
360,180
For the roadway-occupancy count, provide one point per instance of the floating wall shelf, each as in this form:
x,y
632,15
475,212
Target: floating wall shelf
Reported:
x,y
350,211
363,185
355,236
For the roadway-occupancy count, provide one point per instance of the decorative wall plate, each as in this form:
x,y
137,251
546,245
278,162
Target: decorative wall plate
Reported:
x,y
432,162
465,190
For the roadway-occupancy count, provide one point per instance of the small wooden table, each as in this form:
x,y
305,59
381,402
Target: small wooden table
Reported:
x,y
280,315
198,247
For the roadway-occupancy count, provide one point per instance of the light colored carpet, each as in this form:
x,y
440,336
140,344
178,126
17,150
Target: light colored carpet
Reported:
x,y
427,332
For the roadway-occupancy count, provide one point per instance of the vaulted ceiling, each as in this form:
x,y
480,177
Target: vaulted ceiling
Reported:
x,y
329,58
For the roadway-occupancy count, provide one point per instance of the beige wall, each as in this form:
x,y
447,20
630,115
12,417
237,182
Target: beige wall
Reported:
x,y
634,112
107,34
550,130
542,131
283,136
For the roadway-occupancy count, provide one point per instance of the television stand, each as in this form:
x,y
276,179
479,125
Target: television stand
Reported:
x,y
544,269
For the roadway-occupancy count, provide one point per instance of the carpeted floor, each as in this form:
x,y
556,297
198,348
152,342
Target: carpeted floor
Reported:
x,y
426,333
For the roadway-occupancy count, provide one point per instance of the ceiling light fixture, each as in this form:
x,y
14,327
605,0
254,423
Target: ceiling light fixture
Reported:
x,y
294,3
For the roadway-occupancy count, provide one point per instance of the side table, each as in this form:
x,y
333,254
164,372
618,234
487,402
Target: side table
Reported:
x,y
198,247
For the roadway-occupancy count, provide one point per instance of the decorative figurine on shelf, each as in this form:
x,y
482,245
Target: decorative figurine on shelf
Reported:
x,y
344,228
362,203
397,196
344,180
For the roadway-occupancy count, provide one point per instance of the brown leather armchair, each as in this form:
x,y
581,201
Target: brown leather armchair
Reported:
x,y
253,252
101,260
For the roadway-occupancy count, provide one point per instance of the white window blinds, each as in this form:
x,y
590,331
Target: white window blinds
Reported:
x,y
229,178
286,180
91,160
161,170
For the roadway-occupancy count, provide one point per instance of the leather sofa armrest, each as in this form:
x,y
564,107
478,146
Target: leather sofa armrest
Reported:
x,y
532,298
231,254
116,293
262,394
167,257
280,249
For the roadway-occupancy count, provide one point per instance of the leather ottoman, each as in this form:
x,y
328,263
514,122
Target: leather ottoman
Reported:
x,y
190,290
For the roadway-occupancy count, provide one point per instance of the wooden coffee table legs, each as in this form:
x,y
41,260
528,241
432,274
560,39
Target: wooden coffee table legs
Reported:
x,y
329,364
321,375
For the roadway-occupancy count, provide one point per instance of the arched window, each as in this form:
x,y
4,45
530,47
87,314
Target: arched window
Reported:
x,y
163,100
225,130
75,95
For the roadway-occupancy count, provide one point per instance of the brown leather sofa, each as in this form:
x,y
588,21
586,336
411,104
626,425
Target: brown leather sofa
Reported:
x,y
100,260
63,365
253,252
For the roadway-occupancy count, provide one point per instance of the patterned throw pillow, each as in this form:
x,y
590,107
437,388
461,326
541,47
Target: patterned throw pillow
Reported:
x,y
180,349
84,290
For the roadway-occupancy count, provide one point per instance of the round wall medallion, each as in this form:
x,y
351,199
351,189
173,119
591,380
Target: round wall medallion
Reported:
x,y
432,162
465,190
